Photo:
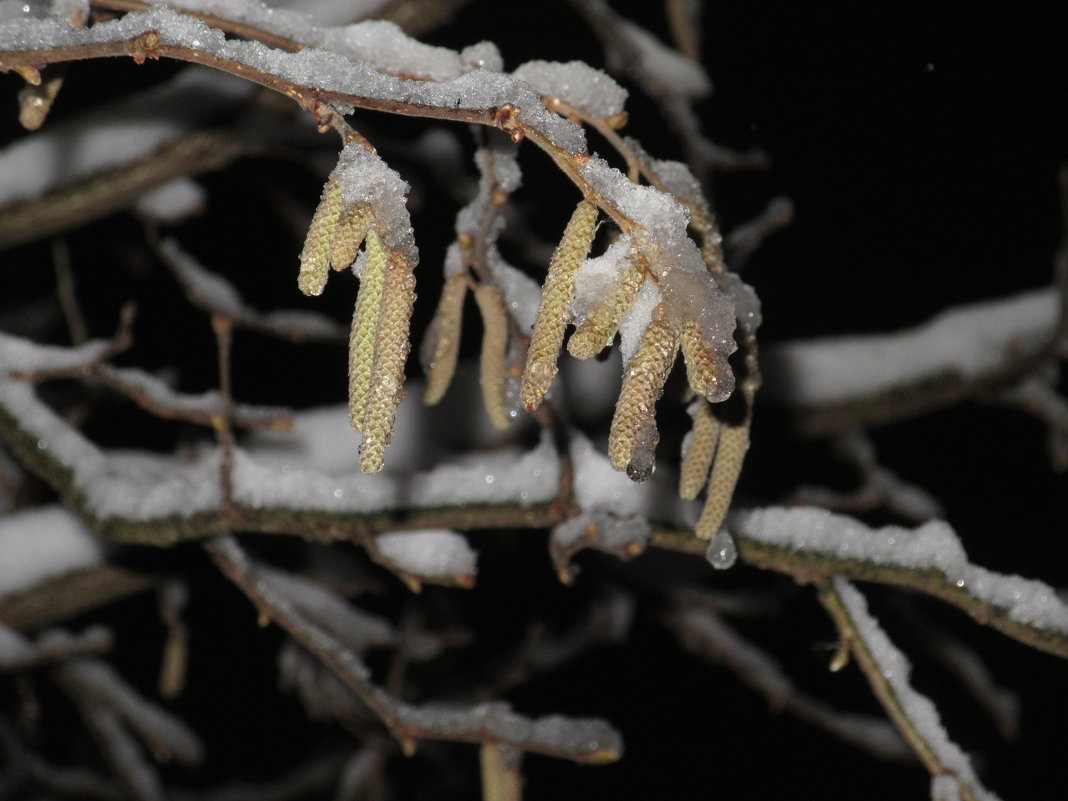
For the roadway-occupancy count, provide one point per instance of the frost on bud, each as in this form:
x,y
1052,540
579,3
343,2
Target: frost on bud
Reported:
x,y
596,332
352,227
730,452
707,370
376,385
698,450
494,349
441,345
556,295
315,257
633,436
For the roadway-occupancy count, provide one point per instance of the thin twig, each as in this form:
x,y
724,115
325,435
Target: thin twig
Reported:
x,y
886,670
223,421
579,740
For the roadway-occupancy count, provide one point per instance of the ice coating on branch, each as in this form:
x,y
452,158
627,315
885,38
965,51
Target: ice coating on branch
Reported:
x,y
922,714
432,552
597,276
933,546
38,544
366,178
576,83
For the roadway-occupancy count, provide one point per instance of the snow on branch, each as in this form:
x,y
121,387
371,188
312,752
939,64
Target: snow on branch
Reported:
x,y
281,479
215,295
332,75
887,670
813,544
847,381
578,739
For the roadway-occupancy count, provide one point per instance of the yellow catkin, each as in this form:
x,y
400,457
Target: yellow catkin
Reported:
x,y
632,436
442,343
364,329
699,451
730,453
556,294
391,352
494,349
599,328
351,230
701,366
315,256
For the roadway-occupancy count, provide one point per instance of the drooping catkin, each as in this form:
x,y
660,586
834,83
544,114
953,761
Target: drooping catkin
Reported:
x,y
633,436
494,350
441,344
365,328
386,388
552,313
705,372
315,256
599,328
351,230
730,453
699,450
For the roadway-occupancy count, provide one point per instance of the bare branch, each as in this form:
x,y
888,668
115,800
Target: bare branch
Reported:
x,y
576,739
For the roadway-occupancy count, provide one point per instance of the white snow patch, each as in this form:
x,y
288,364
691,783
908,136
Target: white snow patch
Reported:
x,y
173,201
598,276
432,552
669,69
576,83
366,178
636,320
39,544
965,341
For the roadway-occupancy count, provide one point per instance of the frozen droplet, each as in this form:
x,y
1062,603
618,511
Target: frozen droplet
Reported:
x,y
722,552
338,493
